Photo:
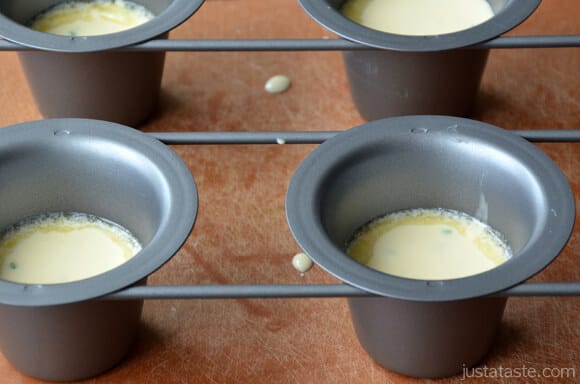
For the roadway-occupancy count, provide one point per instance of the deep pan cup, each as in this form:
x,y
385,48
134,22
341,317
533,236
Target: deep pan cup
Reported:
x,y
416,74
85,76
62,332
429,328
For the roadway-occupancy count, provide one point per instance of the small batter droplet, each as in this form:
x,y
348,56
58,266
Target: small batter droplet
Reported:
x,y
277,84
302,262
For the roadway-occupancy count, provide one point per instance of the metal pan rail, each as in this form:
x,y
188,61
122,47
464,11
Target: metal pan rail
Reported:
x,y
164,292
177,45
317,137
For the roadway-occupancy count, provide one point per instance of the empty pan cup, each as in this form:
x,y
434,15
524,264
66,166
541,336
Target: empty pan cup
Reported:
x,y
62,331
413,75
419,327
89,77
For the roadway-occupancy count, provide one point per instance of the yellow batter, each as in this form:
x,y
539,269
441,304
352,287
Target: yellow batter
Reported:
x,y
429,244
418,17
100,17
59,248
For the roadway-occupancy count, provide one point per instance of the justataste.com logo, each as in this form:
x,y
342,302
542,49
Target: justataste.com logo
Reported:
x,y
518,372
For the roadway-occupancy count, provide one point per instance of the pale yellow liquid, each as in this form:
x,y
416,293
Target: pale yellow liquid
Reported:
x,y
60,248
429,244
418,17
76,18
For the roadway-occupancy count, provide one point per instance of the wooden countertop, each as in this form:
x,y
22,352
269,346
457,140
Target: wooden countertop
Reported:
x,y
241,235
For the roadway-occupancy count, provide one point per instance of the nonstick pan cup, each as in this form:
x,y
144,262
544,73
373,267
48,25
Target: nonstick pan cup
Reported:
x,y
90,77
64,332
408,75
429,328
